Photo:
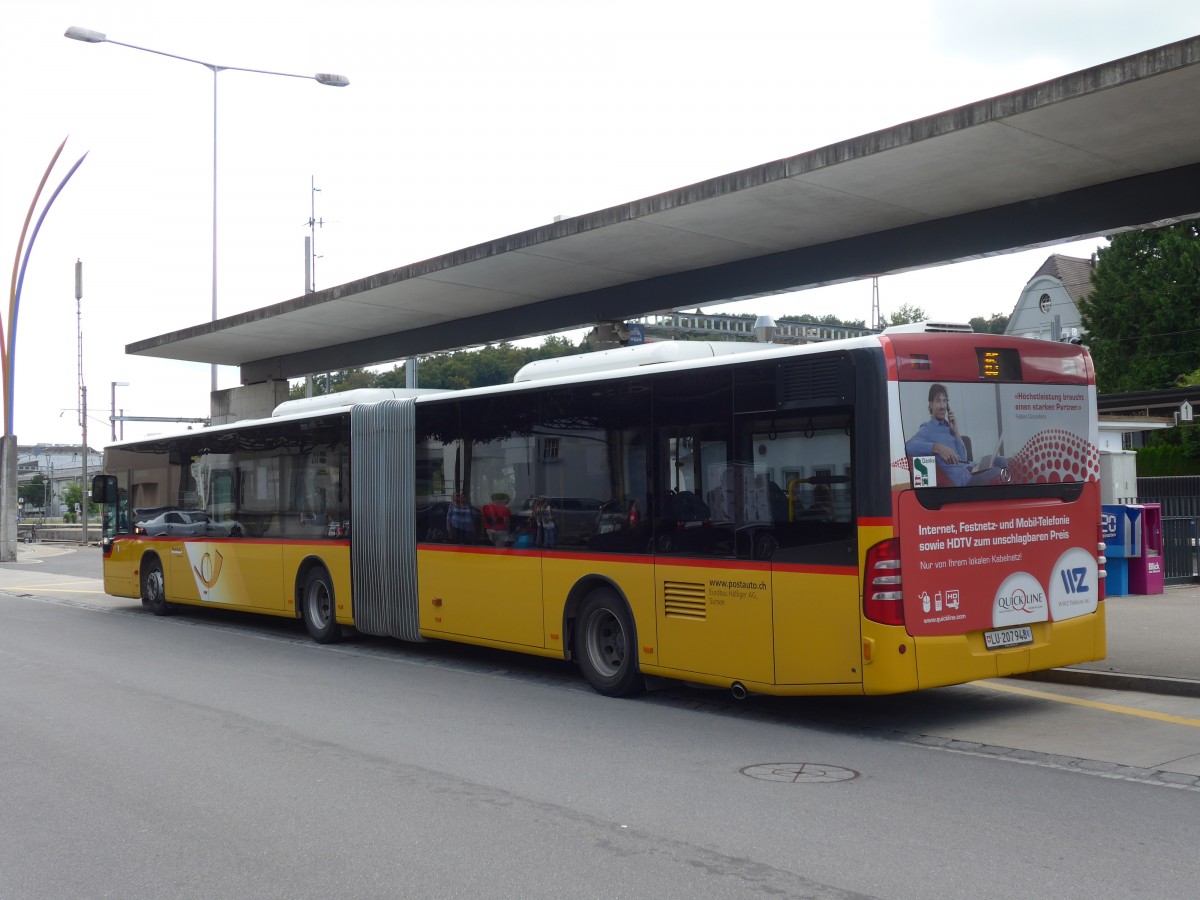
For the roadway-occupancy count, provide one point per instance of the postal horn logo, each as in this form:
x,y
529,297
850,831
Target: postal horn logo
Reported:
x,y
209,569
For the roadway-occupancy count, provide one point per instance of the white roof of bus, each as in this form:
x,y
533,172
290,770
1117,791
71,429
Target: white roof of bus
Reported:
x,y
619,364
653,354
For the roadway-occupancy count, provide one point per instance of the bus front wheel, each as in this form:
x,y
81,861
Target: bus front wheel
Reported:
x,y
154,589
317,608
605,645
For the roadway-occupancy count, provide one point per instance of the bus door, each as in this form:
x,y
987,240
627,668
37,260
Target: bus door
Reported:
x,y
713,598
226,567
159,507
111,491
184,553
805,461
472,583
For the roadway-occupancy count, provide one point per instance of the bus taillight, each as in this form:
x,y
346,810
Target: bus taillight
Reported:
x,y
883,593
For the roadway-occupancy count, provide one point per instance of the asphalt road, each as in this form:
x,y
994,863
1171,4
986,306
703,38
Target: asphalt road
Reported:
x,y
223,756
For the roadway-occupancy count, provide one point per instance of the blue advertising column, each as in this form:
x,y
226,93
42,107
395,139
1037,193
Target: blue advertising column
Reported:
x,y
1115,532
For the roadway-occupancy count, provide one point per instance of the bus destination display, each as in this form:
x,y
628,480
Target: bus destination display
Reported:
x,y
998,364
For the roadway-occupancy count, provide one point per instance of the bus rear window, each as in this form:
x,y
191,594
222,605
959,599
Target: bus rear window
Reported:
x,y
959,434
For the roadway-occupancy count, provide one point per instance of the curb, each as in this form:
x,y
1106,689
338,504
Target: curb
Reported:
x,y
1119,681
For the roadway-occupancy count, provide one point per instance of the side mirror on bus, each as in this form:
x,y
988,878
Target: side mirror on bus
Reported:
x,y
104,489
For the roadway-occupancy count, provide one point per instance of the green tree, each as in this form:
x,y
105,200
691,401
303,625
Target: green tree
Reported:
x,y
493,364
33,491
907,314
1173,451
995,325
1143,315
334,382
1188,378
72,494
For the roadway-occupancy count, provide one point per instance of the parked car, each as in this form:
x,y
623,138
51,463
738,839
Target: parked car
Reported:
x,y
186,523
174,523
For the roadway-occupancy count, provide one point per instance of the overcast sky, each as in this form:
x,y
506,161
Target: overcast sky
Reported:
x,y
465,121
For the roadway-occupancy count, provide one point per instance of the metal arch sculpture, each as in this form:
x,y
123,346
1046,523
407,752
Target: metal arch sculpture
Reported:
x,y
8,348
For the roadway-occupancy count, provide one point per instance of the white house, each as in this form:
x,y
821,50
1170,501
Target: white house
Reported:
x,y
1048,307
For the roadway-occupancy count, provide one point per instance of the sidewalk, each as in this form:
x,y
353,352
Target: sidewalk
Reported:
x,y
1153,645
30,553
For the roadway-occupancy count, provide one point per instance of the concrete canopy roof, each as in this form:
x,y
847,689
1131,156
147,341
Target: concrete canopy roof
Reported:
x,y
1102,150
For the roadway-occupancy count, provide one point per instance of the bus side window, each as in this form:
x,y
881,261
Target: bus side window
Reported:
x,y
441,459
804,463
693,455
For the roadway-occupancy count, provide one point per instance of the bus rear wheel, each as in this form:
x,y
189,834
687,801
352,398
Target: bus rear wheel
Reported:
x,y
317,608
154,588
606,646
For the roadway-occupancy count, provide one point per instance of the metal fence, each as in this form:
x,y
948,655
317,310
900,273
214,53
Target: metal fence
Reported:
x,y
1180,561
1179,497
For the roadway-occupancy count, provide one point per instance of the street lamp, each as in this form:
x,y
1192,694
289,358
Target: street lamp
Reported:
x,y
115,385
96,37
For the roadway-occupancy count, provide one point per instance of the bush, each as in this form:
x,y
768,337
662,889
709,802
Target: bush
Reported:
x,y
1175,451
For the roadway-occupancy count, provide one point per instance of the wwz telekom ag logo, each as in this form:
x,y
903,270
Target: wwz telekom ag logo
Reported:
x,y
1020,600
1074,585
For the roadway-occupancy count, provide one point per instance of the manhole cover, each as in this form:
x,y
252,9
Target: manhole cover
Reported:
x,y
799,773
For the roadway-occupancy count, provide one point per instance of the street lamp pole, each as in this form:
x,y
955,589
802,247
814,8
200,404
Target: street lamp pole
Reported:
x,y
96,37
83,489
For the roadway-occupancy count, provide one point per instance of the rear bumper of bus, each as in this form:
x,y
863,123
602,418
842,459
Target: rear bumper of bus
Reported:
x,y
961,658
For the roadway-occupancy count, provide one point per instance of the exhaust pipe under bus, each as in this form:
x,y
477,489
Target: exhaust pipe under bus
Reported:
x,y
738,690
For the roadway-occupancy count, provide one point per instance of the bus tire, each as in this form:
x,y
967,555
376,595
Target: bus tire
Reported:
x,y
154,587
606,645
318,609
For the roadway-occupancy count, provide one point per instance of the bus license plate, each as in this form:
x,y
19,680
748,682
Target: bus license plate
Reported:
x,y
1008,637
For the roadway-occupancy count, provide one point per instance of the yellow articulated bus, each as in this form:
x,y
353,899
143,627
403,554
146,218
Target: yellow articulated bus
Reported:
x,y
876,515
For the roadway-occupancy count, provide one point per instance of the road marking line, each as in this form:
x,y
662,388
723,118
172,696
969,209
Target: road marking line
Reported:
x,y
54,585
1093,704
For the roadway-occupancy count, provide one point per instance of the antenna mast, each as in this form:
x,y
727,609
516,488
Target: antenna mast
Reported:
x,y
310,242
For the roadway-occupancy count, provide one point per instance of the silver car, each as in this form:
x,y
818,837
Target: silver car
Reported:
x,y
174,523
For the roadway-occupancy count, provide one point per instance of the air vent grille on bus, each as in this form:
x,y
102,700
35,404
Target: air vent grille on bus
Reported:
x,y
814,381
684,600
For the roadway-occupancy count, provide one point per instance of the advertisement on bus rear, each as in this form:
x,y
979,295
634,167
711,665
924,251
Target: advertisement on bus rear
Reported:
x,y
979,566
1004,562
959,435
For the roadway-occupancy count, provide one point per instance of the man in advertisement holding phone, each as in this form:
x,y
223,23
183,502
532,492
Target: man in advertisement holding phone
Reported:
x,y
939,437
